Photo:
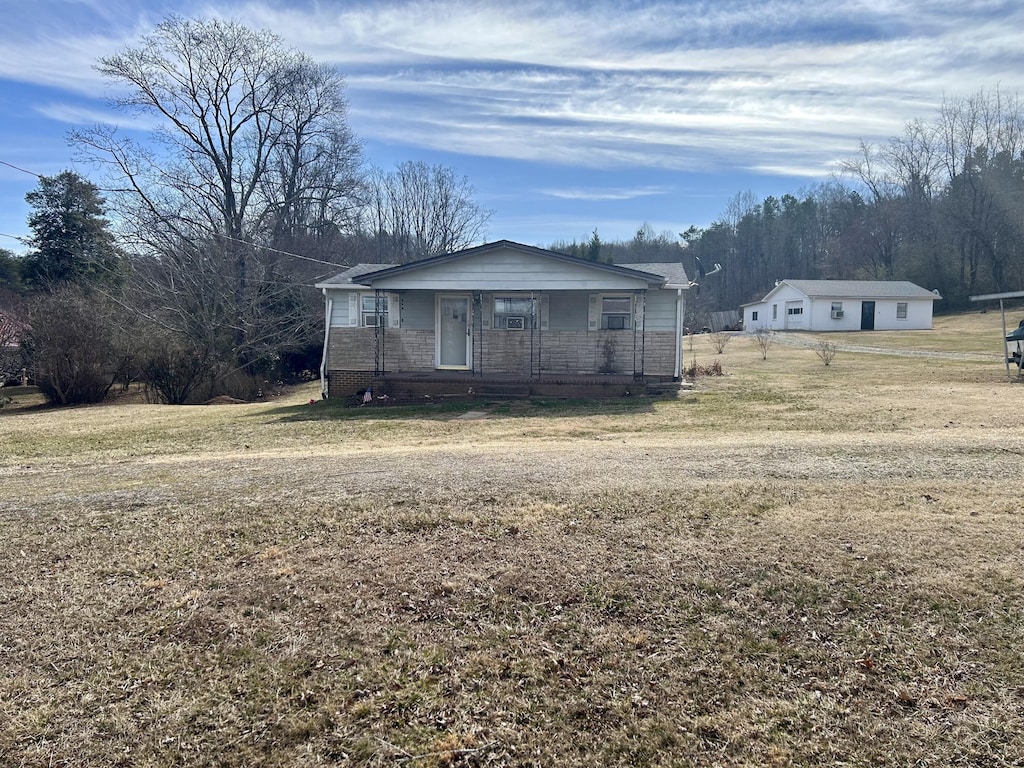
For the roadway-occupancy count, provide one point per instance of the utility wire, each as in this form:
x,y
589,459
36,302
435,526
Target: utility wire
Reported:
x,y
11,165
278,250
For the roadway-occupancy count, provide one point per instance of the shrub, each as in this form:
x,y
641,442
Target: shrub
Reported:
x,y
718,340
76,345
712,369
763,338
826,351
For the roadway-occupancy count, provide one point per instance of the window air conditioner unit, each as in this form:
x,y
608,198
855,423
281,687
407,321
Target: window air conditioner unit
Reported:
x,y
837,314
616,323
515,323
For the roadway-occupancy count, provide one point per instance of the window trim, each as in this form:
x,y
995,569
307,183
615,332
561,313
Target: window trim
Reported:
x,y
904,306
529,317
623,317
379,318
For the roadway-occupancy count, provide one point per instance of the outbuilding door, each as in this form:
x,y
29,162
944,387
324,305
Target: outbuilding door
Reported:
x,y
867,315
453,332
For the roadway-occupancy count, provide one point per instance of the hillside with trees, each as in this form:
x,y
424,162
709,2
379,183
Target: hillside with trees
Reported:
x,y
941,205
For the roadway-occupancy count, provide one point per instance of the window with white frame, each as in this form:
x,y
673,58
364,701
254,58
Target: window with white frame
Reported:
x,y
373,310
753,316
775,311
901,310
794,310
616,312
514,313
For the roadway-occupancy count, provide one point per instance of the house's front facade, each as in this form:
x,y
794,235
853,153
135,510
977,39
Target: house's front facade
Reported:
x,y
502,312
842,305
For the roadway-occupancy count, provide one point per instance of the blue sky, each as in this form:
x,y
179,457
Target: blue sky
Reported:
x,y
565,115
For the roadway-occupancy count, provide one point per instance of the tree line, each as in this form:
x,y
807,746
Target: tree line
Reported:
x,y
941,205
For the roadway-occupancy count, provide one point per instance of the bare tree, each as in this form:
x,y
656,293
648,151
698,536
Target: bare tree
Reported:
x,y
418,210
826,352
764,338
253,151
718,340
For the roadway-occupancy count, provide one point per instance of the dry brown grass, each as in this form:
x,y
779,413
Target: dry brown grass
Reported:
x,y
791,565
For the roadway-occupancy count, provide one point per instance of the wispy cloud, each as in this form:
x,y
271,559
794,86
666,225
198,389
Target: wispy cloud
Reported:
x,y
773,87
584,193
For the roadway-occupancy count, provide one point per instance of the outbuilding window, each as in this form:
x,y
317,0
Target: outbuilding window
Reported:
x,y
753,316
901,310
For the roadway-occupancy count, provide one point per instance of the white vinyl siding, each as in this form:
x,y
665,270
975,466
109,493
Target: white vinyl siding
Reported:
x,y
511,271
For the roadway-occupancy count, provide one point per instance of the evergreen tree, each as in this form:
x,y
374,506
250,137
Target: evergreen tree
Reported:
x,y
71,241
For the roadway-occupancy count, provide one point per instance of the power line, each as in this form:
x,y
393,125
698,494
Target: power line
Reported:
x,y
11,165
278,250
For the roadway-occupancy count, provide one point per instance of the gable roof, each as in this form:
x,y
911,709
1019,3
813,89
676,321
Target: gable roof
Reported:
x,y
857,289
499,244
667,274
352,276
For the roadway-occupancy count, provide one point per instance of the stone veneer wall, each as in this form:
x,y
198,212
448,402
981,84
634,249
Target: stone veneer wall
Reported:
x,y
576,352
350,354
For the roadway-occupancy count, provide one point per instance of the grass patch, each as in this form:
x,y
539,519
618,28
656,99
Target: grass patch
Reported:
x,y
789,565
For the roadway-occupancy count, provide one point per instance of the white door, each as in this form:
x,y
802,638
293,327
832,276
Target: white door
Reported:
x,y
453,332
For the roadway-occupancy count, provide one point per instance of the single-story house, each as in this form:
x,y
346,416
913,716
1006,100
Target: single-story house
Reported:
x,y
502,315
842,305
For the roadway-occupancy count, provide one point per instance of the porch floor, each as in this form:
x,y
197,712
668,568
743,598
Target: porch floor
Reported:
x,y
417,386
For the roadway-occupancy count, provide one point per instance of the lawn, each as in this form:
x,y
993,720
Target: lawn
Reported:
x,y
791,564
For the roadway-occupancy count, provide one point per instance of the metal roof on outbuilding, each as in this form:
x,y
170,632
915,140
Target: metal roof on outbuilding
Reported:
x,y
861,289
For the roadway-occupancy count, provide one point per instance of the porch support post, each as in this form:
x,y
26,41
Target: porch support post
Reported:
x,y
476,351
641,297
643,334
329,302
378,333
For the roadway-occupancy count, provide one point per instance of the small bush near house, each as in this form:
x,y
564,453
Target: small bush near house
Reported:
x,y
711,369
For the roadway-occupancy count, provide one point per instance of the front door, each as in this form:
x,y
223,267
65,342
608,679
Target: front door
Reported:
x,y
453,332
867,315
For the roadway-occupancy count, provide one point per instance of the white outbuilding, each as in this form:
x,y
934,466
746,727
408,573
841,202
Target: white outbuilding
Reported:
x,y
842,305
